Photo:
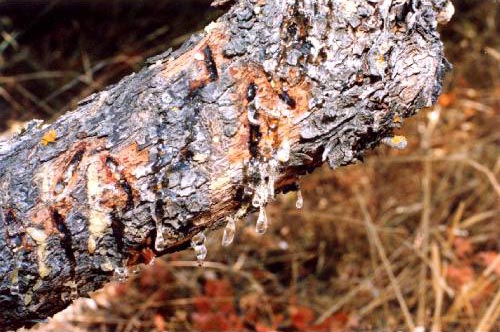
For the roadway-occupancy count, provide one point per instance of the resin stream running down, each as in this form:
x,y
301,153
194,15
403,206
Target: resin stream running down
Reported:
x,y
205,135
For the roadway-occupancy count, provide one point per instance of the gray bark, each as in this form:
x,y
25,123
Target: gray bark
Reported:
x,y
203,133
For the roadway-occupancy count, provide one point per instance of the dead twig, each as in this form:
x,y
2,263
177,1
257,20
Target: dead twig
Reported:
x,y
438,288
426,211
370,227
491,315
489,174
218,266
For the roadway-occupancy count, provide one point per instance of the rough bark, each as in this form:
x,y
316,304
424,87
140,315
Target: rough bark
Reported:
x,y
268,92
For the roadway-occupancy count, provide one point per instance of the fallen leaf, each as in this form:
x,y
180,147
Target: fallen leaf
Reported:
x,y
301,316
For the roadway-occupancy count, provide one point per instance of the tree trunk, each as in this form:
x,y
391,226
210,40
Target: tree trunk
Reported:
x,y
267,93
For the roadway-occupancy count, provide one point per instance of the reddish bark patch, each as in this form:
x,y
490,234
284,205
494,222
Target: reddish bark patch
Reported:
x,y
42,216
130,158
276,101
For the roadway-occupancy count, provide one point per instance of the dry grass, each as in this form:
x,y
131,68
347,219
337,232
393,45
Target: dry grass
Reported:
x,y
408,240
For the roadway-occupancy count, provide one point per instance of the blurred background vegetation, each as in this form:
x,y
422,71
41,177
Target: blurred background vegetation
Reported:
x,y
406,239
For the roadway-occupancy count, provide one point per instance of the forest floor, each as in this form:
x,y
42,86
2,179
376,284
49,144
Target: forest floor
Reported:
x,y
406,240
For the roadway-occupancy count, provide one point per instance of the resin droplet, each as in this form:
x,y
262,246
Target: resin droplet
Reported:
x,y
107,266
395,142
326,152
151,261
73,295
270,187
273,123
283,153
14,282
65,297
272,176
256,199
136,269
300,200
121,274
229,232
159,240
198,239
201,253
261,226
14,277
198,244
14,289
59,188
73,291
251,116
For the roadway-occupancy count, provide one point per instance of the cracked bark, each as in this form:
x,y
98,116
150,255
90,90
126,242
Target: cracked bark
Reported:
x,y
267,93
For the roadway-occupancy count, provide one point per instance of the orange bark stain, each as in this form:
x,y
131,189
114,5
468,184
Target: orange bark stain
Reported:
x,y
63,175
130,157
140,256
41,217
272,112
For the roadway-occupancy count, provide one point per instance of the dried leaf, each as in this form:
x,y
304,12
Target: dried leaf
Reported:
x,y
301,316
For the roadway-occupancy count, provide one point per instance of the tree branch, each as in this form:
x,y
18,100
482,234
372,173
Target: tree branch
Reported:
x,y
267,93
